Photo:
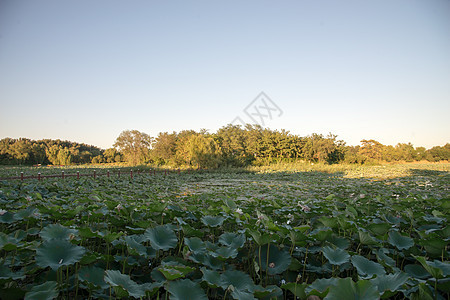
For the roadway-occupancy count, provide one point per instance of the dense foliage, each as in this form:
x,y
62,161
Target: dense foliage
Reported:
x,y
226,236
29,152
230,146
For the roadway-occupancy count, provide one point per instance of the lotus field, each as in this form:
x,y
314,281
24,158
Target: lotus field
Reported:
x,y
226,235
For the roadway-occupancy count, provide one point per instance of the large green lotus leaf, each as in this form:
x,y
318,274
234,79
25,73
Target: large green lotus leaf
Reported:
x,y
6,273
90,258
268,292
212,221
366,239
383,258
395,220
295,288
347,289
135,246
188,230
328,222
174,270
435,272
57,253
379,228
262,239
437,269
185,289
195,244
25,213
444,266
431,219
424,293
238,279
94,276
212,278
302,228
272,259
152,287
337,256
434,246
7,217
367,268
86,232
232,240
7,242
171,273
241,295
112,236
209,261
230,203
321,286
399,241
57,231
417,271
157,276
391,282
45,291
211,246
224,252
117,279
161,238
339,242
298,238
321,234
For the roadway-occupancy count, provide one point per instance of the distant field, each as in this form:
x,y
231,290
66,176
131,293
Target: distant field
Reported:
x,y
355,171
279,232
349,170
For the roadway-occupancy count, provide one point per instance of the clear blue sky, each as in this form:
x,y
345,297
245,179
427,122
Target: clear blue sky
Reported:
x,y
86,70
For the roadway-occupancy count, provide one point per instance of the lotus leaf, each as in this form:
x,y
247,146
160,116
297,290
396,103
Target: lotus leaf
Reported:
x,y
161,238
57,253
117,279
43,291
185,289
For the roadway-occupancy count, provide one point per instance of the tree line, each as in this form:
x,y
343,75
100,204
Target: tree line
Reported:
x,y
43,152
230,146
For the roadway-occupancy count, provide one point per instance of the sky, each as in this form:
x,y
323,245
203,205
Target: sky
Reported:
x,y
87,70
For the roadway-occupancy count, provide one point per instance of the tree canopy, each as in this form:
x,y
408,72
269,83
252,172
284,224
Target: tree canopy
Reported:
x,y
230,146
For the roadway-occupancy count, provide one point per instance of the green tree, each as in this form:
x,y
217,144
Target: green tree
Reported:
x,y
231,139
420,153
64,157
324,149
406,152
98,159
352,156
52,154
38,153
112,155
201,151
164,147
253,136
134,145
21,150
438,153
371,150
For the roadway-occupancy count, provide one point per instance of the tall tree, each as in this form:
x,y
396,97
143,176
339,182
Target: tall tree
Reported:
x,y
202,151
134,145
231,139
371,150
164,147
